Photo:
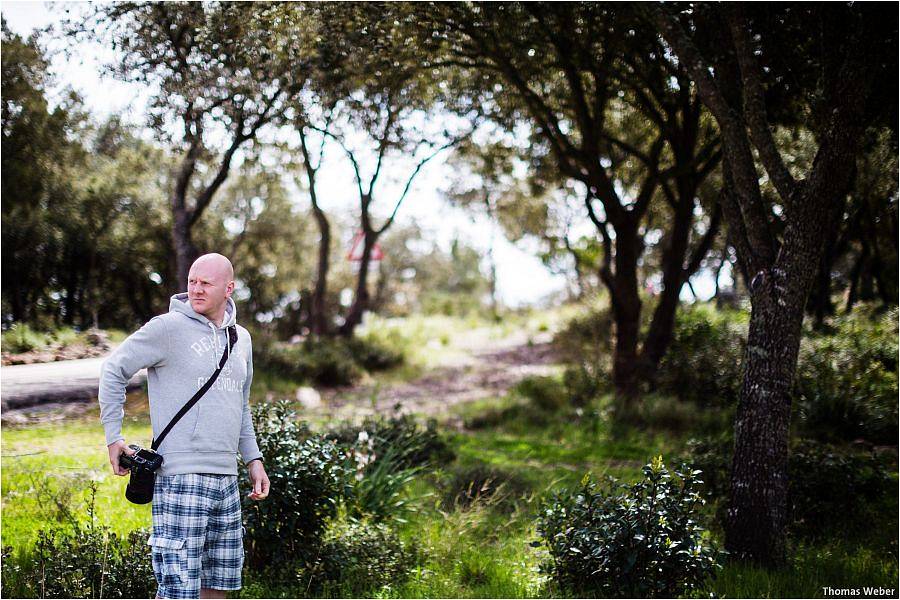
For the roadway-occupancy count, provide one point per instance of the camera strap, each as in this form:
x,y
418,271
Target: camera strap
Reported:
x,y
232,339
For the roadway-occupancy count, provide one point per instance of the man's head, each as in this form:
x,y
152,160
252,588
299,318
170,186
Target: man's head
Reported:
x,y
210,284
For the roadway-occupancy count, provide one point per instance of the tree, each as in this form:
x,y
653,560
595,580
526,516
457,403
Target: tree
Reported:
x,y
832,67
81,220
606,108
390,99
218,74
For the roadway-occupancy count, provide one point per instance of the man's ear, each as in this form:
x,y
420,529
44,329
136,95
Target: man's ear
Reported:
x,y
229,289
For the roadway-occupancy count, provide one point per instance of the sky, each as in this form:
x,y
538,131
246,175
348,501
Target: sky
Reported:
x,y
521,278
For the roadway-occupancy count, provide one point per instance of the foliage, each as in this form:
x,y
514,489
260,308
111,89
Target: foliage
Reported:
x,y
381,481
846,386
639,540
587,339
83,232
704,362
86,561
830,487
582,384
22,338
545,393
309,476
359,557
326,361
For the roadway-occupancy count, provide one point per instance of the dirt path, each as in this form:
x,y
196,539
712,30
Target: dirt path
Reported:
x,y
487,368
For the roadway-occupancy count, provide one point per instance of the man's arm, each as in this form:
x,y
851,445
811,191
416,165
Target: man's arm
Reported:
x,y
247,444
146,347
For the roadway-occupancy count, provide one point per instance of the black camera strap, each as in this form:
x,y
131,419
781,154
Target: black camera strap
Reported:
x,y
232,339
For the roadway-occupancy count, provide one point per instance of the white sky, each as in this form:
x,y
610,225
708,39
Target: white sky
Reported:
x,y
522,279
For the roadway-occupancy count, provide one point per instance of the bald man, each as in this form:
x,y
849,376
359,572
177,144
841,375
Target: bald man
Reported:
x,y
196,543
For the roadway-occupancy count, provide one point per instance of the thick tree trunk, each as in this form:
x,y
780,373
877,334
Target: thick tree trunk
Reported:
x,y
627,315
185,251
757,514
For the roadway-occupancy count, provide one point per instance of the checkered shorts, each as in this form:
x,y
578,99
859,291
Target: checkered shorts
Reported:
x,y
197,534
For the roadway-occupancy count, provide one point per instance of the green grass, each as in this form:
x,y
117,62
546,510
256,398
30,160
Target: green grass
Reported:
x,y
51,465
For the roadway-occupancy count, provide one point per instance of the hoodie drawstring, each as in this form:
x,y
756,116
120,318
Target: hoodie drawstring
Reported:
x,y
215,352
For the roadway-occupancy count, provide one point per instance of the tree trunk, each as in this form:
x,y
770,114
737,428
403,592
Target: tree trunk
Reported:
x,y
318,319
185,251
627,316
659,335
361,297
757,513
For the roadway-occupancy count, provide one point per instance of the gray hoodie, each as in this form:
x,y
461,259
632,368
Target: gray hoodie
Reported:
x,y
181,349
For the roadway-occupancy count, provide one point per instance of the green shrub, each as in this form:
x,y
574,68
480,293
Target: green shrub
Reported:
x,y
417,445
358,558
703,363
639,540
545,393
829,487
381,481
309,476
583,384
588,340
846,384
21,338
373,354
326,361
90,562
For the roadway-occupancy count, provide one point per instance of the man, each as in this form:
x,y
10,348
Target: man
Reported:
x,y
196,542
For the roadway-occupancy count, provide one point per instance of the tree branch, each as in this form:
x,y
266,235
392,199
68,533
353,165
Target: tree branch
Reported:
x,y
755,106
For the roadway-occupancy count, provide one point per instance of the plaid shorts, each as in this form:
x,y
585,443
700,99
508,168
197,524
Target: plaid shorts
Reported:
x,y
197,534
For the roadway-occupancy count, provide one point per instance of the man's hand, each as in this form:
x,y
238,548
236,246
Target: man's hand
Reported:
x,y
259,479
115,451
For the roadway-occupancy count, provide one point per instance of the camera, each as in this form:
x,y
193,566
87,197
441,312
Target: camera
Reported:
x,y
143,465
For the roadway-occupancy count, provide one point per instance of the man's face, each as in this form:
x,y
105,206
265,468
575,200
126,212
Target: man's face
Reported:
x,y
208,288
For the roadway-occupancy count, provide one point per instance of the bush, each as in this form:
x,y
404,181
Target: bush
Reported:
x,y
639,540
358,558
380,482
829,487
417,445
583,384
22,338
309,476
388,454
846,385
373,354
587,341
545,393
703,363
326,361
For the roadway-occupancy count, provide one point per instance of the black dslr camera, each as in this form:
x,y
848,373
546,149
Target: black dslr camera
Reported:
x,y
143,465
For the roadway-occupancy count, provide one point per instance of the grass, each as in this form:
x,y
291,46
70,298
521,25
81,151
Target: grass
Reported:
x,y
477,552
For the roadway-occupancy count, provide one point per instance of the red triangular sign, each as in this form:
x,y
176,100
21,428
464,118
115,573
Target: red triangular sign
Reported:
x,y
356,249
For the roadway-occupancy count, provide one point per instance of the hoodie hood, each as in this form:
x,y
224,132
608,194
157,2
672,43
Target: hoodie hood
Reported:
x,y
180,303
